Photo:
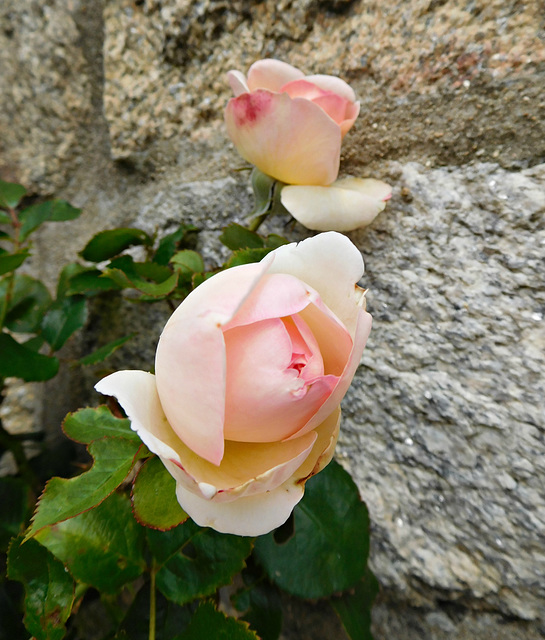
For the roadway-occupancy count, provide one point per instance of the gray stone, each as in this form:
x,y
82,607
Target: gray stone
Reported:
x,y
444,425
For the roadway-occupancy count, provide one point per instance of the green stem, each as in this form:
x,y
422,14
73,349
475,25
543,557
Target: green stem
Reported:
x,y
258,221
152,604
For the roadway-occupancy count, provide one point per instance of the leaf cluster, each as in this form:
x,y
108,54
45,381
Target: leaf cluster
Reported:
x,y
114,537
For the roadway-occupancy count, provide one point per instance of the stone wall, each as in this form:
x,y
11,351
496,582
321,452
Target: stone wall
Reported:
x,y
117,106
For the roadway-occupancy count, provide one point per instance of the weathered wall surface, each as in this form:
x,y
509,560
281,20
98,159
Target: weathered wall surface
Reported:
x,y
118,107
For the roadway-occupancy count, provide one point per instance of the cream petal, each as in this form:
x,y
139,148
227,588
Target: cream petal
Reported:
x,y
136,392
292,140
333,208
367,186
248,516
247,468
271,74
329,263
237,82
324,447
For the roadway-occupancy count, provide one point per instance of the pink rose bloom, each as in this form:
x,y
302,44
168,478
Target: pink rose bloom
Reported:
x,y
249,375
290,126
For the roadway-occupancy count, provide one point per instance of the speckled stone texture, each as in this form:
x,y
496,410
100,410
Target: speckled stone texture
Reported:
x,y
117,106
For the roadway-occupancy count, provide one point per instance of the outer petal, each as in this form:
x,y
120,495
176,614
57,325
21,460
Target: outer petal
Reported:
x,y
137,394
339,207
329,263
246,469
190,359
237,81
294,141
368,186
259,514
249,516
271,74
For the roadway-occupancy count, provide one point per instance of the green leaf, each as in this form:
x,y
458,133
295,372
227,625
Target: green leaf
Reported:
x,y
329,548
261,605
235,236
208,623
354,608
69,271
29,301
168,245
153,497
87,425
170,618
10,261
102,547
263,187
65,316
247,256
273,241
62,211
10,194
107,244
188,262
49,589
15,501
196,561
127,273
106,350
5,219
20,362
50,210
90,282
62,499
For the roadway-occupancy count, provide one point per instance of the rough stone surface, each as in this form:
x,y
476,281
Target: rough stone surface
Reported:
x,y
117,106
444,427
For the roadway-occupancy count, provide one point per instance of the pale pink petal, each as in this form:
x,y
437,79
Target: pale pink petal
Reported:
x,y
271,74
294,141
190,374
333,208
237,82
332,265
335,106
190,359
363,328
334,341
352,112
222,294
304,89
249,516
273,296
333,84
266,399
